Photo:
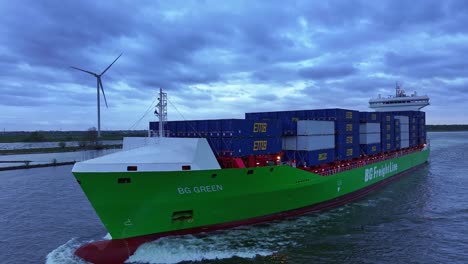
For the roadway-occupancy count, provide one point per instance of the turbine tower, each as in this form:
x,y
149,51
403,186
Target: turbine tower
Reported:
x,y
99,84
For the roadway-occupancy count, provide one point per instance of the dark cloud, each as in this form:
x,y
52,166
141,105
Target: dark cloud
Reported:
x,y
275,74
227,57
265,97
426,65
326,72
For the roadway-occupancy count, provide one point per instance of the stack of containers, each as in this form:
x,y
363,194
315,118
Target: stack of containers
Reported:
x,y
230,137
397,133
369,132
413,127
422,128
289,118
288,121
387,131
346,123
404,130
241,138
314,143
346,132
169,128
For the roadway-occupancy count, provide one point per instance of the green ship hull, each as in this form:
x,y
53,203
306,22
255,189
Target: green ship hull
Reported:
x,y
132,204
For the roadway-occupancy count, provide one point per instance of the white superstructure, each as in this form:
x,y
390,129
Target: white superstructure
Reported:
x,y
154,154
399,102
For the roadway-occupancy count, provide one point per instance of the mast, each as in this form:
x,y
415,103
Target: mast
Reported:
x,y
162,111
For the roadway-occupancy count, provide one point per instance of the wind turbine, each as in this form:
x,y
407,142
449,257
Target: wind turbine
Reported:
x,y
99,84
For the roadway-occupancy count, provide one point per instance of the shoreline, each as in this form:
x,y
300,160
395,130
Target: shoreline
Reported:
x,y
56,150
37,166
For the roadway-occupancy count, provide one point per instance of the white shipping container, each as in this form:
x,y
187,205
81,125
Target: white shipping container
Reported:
x,y
315,127
309,143
369,138
369,128
404,135
404,143
403,119
404,127
289,143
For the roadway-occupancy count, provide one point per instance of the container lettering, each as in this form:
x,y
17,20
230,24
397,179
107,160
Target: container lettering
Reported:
x,y
260,128
322,156
260,145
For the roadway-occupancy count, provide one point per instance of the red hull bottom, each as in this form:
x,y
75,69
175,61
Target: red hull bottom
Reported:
x,y
118,250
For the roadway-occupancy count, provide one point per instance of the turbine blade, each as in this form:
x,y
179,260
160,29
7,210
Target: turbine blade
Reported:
x,y
111,64
102,89
92,73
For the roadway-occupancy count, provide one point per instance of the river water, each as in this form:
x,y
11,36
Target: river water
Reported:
x,y
420,218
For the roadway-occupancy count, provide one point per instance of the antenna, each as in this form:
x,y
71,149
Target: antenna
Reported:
x,y
99,85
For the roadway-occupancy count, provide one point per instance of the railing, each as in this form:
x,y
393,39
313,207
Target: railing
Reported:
x,y
357,163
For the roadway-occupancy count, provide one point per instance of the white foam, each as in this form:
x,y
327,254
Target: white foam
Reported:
x,y
170,252
107,237
244,242
65,254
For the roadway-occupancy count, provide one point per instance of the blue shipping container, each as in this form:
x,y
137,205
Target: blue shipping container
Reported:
x,y
250,128
370,149
321,156
346,127
215,144
347,152
171,128
242,147
153,125
191,128
347,139
342,115
214,128
226,128
387,146
180,129
386,118
369,117
310,158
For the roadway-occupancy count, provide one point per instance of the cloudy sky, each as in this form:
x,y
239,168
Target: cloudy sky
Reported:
x,y
220,59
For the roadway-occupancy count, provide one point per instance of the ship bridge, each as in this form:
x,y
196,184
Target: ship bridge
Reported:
x,y
399,102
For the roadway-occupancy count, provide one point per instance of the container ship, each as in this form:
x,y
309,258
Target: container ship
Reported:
x,y
201,175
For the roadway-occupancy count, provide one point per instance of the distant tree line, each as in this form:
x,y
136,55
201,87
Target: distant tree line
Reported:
x,y
435,128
